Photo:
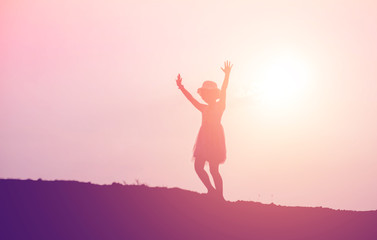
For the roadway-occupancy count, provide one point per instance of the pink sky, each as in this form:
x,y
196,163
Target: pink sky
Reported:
x,y
87,93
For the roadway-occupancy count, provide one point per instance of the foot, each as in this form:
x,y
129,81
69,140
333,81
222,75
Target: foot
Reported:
x,y
220,197
215,195
211,191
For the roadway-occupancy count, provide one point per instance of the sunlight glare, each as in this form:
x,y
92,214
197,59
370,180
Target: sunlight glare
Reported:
x,y
282,82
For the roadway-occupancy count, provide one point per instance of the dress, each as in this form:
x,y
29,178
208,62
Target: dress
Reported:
x,y
210,142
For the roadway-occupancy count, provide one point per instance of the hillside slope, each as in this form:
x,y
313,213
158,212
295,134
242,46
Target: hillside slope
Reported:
x,y
74,210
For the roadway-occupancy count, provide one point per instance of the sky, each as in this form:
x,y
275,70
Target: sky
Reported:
x,y
87,93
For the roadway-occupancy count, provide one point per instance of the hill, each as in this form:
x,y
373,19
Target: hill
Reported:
x,y
75,210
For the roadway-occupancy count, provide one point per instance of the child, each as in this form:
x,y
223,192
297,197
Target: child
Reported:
x,y
210,142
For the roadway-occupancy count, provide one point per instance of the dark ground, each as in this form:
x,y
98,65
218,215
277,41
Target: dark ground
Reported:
x,y
74,210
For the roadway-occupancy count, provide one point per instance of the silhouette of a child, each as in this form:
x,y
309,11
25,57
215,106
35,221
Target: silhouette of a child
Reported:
x,y
210,142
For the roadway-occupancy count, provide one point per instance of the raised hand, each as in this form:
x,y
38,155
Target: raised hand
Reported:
x,y
179,81
227,67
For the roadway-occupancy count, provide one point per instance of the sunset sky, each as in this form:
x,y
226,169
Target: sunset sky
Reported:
x,y
88,93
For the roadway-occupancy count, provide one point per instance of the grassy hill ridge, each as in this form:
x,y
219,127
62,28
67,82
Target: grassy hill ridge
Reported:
x,y
75,210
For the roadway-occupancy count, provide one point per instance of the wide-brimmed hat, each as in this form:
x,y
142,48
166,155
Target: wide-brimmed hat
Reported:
x,y
208,85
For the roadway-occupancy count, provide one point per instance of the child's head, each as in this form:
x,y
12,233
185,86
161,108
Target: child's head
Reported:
x,y
209,91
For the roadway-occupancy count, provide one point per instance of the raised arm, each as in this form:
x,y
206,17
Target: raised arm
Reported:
x,y
226,70
194,102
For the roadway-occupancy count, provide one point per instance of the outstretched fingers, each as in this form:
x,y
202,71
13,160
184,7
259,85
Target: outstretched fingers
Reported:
x,y
179,79
227,64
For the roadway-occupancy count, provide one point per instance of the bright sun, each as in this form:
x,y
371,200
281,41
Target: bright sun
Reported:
x,y
281,82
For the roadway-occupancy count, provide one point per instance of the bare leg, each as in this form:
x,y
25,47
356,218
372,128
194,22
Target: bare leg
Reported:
x,y
199,168
214,169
